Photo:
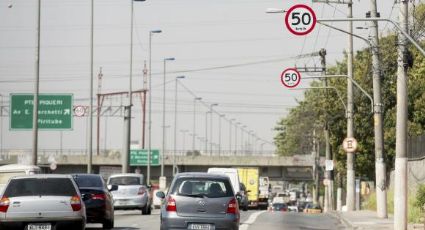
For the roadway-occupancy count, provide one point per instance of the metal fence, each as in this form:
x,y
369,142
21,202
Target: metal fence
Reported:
x,y
416,147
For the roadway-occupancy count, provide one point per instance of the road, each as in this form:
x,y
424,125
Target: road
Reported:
x,y
250,220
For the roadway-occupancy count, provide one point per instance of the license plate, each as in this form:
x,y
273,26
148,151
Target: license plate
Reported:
x,y
201,227
39,227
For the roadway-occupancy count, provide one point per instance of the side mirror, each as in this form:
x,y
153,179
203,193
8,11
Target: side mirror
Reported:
x,y
160,194
239,197
112,187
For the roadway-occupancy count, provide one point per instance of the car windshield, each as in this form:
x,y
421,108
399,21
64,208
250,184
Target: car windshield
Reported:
x,y
88,181
203,187
125,180
40,187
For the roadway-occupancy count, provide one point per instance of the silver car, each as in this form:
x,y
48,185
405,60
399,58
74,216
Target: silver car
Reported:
x,y
131,193
200,201
42,202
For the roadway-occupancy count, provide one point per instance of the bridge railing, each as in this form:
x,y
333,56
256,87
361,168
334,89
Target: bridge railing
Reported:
x,y
6,153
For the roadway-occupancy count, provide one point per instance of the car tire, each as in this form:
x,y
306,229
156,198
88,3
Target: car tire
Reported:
x,y
150,210
108,224
145,210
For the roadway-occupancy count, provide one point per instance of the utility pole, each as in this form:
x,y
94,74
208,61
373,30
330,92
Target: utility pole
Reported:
x,y
90,160
36,91
328,201
350,124
315,170
380,168
400,189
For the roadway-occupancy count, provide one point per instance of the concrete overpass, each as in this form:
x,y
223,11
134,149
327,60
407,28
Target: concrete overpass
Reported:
x,y
295,168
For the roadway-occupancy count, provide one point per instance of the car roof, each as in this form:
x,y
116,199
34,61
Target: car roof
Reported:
x,y
202,175
18,167
43,176
126,174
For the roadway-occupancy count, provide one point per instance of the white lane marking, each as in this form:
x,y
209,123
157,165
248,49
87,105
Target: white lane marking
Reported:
x,y
251,220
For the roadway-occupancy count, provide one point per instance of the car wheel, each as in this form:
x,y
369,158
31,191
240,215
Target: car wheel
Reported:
x,y
145,210
108,224
150,210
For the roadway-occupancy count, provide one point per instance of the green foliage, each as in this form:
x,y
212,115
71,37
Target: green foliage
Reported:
x,y
420,196
295,130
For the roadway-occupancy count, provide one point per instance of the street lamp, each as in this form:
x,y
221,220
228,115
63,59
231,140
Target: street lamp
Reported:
x,y
151,33
127,108
219,133
236,137
230,134
211,125
163,116
175,122
194,121
184,131
206,130
242,140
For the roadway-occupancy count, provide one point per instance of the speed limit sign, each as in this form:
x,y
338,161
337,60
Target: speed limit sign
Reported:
x,y
79,110
290,77
300,19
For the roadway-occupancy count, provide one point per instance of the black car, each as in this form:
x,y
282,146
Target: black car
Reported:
x,y
97,199
243,197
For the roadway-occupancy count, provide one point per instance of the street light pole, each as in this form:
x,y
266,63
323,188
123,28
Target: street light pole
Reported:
x,y
194,121
163,116
236,137
175,123
380,168
211,126
400,189
206,131
219,133
90,160
36,91
230,135
184,131
148,177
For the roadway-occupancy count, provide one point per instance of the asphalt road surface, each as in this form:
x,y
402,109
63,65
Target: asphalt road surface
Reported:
x,y
250,220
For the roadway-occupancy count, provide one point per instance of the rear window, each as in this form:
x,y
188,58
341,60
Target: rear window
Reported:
x,y
88,181
200,187
125,180
40,187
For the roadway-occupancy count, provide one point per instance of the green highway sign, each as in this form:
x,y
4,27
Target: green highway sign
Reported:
x,y
54,111
139,157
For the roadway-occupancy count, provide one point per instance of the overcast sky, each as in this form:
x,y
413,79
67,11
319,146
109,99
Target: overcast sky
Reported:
x,y
244,49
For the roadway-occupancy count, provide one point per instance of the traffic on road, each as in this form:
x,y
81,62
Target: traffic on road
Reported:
x,y
273,121
194,200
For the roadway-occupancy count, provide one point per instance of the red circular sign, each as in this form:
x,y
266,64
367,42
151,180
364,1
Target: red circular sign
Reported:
x,y
300,19
290,77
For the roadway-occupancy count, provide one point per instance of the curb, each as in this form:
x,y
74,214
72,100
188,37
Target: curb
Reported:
x,y
346,223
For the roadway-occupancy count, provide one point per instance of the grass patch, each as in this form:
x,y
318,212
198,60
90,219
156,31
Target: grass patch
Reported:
x,y
414,215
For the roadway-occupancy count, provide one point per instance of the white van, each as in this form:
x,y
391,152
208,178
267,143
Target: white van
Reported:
x,y
9,171
232,173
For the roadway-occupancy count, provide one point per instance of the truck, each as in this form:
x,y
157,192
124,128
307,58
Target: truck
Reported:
x,y
264,192
250,178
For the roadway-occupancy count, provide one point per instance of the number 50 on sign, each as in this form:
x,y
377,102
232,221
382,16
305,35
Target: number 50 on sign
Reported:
x,y
300,19
290,77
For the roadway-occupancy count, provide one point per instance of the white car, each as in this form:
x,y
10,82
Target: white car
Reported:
x,y
131,192
43,201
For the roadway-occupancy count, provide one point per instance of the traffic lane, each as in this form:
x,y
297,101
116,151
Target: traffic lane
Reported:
x,y
292,220
133,220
